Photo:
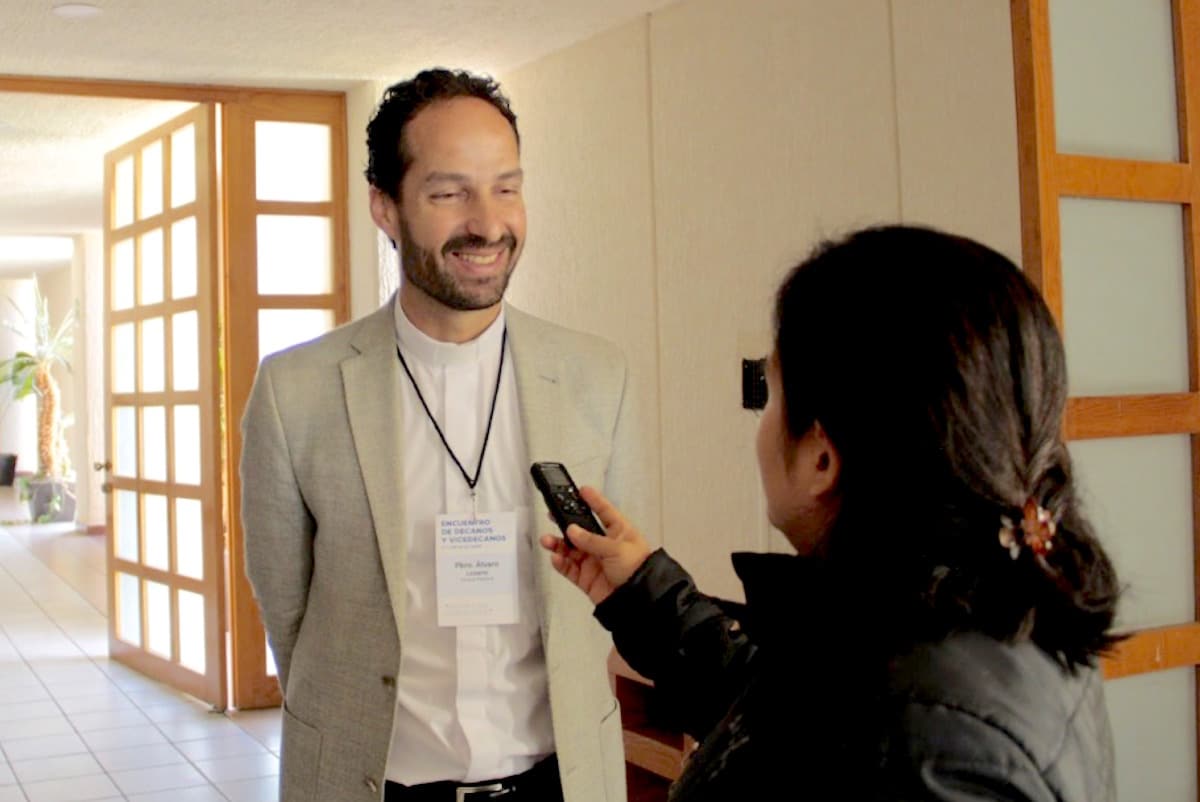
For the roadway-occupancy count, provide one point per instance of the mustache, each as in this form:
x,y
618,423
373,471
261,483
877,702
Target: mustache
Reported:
x,y
468,241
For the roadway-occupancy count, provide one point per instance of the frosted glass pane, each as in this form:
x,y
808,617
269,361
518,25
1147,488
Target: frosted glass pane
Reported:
x,y
185,351
1153,718
189,542
183,166
124,360
153,361
183,258
187,445
1124,314
158,554
152,181
151,244
126,424
294,256
1114,78
158,619
129,609
123,193
271,670
292,161
1137,492
122,275
126,513
154,444
283,328
191,631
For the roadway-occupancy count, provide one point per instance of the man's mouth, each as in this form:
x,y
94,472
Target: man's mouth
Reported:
x,y
477,259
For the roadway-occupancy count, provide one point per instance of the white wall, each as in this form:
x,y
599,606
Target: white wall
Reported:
x,y
18,426
679,165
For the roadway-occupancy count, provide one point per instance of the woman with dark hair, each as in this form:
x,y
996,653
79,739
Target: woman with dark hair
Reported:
x,y
936,635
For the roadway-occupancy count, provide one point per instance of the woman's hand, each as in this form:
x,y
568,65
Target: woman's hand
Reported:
x,y
598,565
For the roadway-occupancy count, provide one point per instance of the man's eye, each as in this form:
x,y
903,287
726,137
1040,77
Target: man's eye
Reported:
x,y
437,196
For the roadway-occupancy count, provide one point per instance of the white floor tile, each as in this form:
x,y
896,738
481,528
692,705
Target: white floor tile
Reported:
x,y
242,767
263,789
214,726
139,757
27,710
56,768
99,740
234,745
74,789
198,794
111,699
45,746
108,719
35,727
160,778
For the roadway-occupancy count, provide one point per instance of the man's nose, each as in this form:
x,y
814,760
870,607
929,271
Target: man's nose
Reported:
x,y
485,219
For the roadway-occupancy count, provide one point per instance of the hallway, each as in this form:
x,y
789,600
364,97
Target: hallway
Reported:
x,y
75,725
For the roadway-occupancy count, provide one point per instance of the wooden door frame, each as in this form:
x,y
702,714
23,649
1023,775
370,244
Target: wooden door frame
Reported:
x,y
238,601
1046,176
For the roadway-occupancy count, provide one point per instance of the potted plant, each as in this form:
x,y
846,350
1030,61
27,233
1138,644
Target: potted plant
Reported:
x,y
50,492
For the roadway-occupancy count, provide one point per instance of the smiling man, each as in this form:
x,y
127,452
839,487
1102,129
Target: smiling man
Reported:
x,y
424,649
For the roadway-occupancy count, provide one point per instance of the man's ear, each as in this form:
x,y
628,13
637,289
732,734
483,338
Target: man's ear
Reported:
x,y
827,463
385,211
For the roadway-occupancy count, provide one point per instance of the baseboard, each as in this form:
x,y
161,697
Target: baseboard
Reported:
x,y
97,529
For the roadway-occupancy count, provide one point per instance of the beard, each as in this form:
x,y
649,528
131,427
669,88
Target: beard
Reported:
x,y
428,274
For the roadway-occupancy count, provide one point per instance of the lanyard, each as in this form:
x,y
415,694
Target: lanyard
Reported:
x,y
471,481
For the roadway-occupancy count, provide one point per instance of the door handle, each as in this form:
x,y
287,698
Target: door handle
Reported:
x,y
101,466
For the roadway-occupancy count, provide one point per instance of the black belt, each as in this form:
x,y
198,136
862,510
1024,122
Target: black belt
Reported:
x,y
539,784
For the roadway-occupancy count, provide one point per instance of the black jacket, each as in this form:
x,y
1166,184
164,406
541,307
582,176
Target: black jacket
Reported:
x,y
791,697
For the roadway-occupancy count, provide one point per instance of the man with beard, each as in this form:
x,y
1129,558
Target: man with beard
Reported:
x,y
424,648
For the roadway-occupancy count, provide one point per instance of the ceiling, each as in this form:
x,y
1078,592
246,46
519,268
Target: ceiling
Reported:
x,y
52,147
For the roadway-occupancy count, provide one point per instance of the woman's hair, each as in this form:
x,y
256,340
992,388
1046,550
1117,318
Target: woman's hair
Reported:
x,y
938,374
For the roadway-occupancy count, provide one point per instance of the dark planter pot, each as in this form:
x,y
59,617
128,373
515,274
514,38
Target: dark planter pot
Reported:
x,y
8,469
51,500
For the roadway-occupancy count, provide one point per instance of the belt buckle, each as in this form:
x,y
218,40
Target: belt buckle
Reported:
x,y
463,791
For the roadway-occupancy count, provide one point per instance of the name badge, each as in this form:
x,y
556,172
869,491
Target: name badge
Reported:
x,y
477,570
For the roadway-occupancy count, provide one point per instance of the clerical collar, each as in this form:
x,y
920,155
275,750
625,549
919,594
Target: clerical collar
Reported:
x,y
418,345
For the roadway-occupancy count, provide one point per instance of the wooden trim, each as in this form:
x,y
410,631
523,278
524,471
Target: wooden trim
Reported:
x,y
295,208
96,529
1123,179
149,90
1132,415
1157,649
1036,149
252,687
329,301
211,684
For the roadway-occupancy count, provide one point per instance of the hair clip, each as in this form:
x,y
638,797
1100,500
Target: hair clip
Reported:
x,y
1037,531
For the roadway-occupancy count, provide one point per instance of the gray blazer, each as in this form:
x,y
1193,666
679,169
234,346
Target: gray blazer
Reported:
x,y
323,516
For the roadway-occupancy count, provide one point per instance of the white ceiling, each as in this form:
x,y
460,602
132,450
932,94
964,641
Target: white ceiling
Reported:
x,y
51,147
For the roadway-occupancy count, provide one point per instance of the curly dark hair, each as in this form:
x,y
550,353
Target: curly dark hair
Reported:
x,y
938,373
388,156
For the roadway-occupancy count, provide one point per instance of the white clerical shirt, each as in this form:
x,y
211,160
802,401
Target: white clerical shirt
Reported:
x,y
472,702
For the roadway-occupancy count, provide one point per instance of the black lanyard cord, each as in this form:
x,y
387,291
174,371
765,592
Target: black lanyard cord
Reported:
x,y
491,415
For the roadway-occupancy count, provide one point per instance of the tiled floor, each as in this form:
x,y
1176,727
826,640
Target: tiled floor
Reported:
x,y
75,725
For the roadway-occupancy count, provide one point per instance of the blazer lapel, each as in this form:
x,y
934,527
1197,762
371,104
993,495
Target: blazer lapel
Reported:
x,y
371,383
536,367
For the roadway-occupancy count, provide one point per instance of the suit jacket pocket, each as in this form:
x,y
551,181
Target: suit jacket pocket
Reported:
x,y
299,760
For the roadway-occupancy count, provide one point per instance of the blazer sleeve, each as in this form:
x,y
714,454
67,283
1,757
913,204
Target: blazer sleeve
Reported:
x,y
277,527
686,642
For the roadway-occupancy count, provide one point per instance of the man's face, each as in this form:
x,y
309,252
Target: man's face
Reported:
x,y
460,220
